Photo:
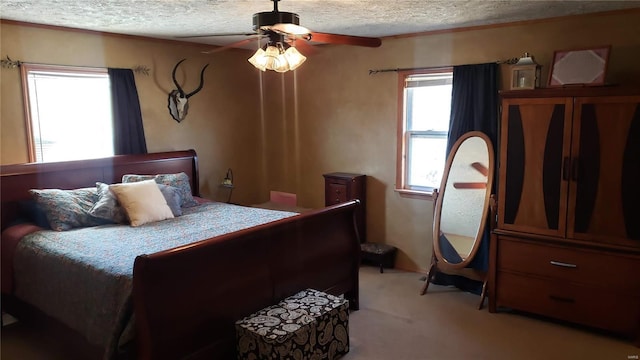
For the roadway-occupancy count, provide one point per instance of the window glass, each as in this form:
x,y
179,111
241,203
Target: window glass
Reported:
x,y
426,102
69,114
430,108
426,159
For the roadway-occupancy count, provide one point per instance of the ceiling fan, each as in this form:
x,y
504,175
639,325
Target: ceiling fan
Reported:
x,y
284,33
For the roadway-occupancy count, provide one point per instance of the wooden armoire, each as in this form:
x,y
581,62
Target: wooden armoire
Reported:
x,y
567,241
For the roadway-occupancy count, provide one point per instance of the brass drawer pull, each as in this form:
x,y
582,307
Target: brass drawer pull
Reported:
x,y
563,264
561,299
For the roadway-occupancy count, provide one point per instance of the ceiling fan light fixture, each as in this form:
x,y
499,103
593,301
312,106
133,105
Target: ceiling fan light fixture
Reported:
x,y
275,57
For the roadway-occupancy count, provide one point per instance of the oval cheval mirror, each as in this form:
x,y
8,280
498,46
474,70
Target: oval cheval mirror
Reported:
x,y
461,209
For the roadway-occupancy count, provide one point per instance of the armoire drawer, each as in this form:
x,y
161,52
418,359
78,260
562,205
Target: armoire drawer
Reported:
x,y
570,302
594,268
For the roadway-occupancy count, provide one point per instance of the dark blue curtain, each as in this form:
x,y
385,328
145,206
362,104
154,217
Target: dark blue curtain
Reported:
x,y
474,102
128,132
474,107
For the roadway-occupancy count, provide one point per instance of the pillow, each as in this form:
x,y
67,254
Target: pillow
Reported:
x,y
67,209
107,206
142,201
30,212
173,197
179,180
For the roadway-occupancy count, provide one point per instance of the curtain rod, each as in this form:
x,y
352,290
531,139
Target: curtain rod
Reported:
x,y
8,63
373,72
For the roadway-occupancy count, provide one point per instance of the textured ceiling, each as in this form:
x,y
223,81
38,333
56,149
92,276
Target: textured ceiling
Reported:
x,y
172,18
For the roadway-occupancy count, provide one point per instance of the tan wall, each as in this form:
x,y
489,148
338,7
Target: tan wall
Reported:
x,y
282,132
346,118
221,118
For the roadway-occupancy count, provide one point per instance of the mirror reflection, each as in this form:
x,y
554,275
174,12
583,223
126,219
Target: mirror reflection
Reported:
x,y
463,200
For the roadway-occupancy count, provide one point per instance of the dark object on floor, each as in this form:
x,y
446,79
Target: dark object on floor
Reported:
x,y
382,255
308,325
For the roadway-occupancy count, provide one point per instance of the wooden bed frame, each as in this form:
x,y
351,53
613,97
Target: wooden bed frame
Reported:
x,y
187,299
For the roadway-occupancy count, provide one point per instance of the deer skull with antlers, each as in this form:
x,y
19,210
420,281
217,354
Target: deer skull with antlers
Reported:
x,y
178,99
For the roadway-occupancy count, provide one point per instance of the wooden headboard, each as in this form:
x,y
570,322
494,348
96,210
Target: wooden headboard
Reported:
x,y
16,180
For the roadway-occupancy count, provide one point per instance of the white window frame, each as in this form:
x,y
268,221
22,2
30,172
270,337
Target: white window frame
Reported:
x,y
404,135
31,127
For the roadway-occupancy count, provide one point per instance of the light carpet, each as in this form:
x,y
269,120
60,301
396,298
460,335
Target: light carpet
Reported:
x,y
394,322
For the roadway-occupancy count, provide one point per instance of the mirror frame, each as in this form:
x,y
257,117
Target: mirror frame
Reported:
x,y
442,262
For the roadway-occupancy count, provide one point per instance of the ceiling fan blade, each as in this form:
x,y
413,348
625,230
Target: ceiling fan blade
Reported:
x,y
344,39
304,47
213,35
232,45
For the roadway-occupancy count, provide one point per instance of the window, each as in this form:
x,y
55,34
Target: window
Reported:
x,y
68,112
423,128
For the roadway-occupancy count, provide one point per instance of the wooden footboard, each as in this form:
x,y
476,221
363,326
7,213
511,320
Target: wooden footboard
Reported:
x,y
187,299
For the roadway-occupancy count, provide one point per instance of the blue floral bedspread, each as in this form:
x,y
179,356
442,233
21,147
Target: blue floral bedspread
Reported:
x,y
83,277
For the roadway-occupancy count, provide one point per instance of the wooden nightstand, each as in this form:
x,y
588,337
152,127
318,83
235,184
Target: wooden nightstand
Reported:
x,y
341,187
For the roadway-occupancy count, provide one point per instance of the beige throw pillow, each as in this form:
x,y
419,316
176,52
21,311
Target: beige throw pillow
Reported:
x,y
142,201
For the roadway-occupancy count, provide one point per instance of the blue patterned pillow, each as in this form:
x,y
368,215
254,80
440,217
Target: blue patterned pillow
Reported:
x,y
107,206
173,196
129,178
179,180
67,209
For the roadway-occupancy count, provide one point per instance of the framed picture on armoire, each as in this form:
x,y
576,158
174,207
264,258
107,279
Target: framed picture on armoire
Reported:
x,y
585,67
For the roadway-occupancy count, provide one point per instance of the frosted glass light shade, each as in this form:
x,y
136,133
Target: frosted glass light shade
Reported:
x,y
294,58
259,60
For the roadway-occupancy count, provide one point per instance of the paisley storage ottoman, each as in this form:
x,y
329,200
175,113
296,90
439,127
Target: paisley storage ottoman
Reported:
x,y
307,325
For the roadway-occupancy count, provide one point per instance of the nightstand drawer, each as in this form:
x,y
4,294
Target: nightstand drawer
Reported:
x,y
590,267
571,302
337,193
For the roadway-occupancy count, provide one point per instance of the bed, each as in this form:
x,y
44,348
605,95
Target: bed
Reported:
x,y
169,297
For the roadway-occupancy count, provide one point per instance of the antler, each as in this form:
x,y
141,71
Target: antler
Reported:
x,y
173,75
182,93
201,83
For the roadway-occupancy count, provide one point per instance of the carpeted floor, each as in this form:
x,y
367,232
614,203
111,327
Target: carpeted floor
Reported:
x,y
394,322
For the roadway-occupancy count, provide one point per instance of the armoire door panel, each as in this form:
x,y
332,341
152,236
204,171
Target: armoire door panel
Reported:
x,y
537,135
585,167
630,186
514,165
553,167
531,209
601,143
